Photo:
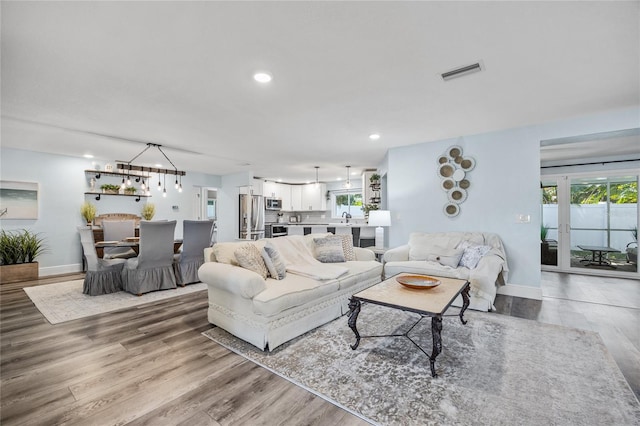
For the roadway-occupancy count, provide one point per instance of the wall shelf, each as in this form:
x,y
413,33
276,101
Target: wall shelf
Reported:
x,y
100,194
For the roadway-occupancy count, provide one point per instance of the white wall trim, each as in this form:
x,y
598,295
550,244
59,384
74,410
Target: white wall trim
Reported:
x,y
59,270
526,292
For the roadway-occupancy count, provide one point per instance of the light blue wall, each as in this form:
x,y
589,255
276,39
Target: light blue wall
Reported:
x,y
504,183
62,183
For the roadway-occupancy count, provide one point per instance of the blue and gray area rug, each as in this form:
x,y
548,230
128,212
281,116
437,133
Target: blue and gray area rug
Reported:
x,y
496,370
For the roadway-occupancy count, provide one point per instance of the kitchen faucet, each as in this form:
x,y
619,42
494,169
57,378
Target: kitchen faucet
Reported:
x,y
348,215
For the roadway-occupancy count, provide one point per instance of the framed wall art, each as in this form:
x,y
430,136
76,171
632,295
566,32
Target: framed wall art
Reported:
x,y
18,200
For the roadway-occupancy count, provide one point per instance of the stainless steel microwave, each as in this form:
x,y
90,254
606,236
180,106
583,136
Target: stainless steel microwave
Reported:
x,y
273,204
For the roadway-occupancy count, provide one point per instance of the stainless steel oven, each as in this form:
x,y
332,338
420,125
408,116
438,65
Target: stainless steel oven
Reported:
x,y
278,231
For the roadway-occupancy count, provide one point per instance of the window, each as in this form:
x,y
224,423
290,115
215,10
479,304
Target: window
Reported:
x,y
347,201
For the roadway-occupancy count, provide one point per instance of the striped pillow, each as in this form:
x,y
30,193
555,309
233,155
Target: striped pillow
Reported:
x,y
273,260
347,247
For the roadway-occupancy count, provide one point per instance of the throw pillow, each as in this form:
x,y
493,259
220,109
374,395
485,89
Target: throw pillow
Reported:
x,y
273,261
347,247
249,257
329,249
447,257
472,254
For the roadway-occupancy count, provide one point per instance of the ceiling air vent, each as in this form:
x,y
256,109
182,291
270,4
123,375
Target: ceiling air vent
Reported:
x,y
462,71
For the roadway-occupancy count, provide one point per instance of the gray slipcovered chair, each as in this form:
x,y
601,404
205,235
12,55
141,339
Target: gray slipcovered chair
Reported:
x,y
103,275
196,236
118,230
153,268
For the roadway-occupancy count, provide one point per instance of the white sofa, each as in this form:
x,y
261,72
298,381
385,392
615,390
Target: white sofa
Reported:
x,y
433,254
269,312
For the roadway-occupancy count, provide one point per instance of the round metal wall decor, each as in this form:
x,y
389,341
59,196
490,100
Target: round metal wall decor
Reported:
x,y
457,195
448,184
446,170
453,170
467,164
451,210
454,152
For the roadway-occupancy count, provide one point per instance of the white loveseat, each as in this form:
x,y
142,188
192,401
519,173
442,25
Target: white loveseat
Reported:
x,y
436,254
269,312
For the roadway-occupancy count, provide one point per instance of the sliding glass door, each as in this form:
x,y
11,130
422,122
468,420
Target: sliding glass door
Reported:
x,y
597,222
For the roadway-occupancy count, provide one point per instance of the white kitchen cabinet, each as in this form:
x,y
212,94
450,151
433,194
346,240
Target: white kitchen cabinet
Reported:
x,y
283,191
269,189
296,198
313,197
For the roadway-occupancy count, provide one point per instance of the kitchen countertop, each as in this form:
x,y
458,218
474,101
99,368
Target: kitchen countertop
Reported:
x,y
328,225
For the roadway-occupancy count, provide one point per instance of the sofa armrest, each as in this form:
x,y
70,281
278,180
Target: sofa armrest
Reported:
x,y
398,254
234,279
208,255
487,276
364,253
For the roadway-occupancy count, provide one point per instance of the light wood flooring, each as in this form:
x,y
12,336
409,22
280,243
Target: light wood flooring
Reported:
x,y
150,364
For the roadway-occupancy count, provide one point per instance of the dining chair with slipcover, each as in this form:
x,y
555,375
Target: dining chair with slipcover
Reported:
x,y
103,275
118,230
153,268
196,236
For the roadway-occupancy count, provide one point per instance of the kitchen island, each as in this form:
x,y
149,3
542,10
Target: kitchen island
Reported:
x,y
363,234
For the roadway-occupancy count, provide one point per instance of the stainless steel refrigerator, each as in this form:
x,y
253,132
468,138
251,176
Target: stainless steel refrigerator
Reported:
x,y
251,217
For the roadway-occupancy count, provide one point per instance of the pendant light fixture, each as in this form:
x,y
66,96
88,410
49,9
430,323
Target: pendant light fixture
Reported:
x,y
128,167
348,184
317,181
164,191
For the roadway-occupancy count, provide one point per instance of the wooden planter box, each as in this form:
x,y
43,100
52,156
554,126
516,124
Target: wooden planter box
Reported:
x,y
18,273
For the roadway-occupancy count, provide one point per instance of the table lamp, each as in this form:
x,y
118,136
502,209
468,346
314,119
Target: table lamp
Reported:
x,y
379,218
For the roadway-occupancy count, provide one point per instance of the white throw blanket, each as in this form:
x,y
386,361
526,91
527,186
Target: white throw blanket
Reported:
x,y
299,259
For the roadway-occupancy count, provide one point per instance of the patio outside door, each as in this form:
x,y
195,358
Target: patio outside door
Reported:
x,y
592,222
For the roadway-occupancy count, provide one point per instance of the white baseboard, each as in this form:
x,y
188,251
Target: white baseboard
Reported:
x,y
59,270
524,291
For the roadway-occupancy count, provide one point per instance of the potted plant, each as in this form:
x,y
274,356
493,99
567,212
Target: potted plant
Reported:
x,y
18,251
366,208
130,190
543,232
108,188
375,178
88,212
148,210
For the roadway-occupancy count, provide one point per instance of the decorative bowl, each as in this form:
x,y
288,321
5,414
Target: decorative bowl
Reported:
x,y
418,281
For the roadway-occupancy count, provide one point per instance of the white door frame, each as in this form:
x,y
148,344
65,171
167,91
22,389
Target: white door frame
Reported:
x,y
564,223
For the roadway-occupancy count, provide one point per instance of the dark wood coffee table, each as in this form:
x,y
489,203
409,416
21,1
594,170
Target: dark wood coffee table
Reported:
x,y
432,302
597,257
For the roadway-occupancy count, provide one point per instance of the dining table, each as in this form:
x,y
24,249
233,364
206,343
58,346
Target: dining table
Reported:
x,y
132,242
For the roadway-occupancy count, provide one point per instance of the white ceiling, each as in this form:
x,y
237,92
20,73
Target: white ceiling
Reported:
x,y
91,77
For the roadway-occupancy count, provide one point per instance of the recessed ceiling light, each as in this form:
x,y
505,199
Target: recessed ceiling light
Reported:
x,y
262,77
374,136
279,179
158,165
88,156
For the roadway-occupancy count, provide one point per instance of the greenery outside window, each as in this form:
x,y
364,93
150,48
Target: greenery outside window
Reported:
x,y
346,201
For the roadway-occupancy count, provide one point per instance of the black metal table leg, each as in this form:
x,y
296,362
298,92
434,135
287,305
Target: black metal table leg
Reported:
x,y
465,302
436,328
354,310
